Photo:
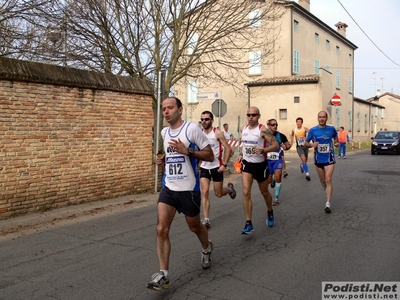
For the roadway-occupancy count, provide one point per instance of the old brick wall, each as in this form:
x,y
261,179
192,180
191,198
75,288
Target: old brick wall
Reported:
x,y
69,136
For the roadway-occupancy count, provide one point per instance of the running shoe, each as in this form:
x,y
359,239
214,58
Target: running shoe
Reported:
x,y
206,222
338,157
270,218
273,181
232,192
275,202
323,186
308,178
206,259
158,282
285,174
248,229
344,157
328,208
301,169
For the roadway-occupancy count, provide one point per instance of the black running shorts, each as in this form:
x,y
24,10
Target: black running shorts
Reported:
x,y
186,202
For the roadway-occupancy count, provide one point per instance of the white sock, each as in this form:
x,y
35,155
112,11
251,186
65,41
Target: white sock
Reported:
x,y
328,204
208,248
165,272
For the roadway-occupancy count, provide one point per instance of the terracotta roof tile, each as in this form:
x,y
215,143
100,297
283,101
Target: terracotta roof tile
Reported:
x,y
285,80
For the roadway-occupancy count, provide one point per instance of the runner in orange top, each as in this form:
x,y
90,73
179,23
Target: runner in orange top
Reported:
x,y
300,133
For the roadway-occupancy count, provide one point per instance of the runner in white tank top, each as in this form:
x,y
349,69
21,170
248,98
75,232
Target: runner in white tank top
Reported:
x,y
214,170
184,145
254,165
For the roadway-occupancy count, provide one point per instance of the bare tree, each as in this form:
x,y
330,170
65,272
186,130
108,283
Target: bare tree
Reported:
x,y
17,35
190,39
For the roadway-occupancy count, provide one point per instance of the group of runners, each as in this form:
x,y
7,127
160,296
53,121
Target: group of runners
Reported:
x,y
194,156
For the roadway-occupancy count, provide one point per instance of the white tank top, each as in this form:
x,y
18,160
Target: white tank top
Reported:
x,y
217,149
252,138
181,170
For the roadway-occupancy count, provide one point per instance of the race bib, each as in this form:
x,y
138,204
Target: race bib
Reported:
x,y
323,148
176,168
249,150
301,141
273,155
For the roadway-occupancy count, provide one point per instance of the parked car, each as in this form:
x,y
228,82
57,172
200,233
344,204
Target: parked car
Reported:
x,y
386,142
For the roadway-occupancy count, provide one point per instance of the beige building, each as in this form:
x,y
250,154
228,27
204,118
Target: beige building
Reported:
x,y
316,62
390,116
368,119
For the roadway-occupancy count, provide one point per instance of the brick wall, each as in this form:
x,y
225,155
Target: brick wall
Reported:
x,y
69,136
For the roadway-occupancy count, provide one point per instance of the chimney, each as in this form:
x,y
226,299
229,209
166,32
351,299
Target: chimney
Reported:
x,y
305,4
341,28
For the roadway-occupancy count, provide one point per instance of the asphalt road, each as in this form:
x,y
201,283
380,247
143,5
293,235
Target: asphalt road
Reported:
x,y
112,255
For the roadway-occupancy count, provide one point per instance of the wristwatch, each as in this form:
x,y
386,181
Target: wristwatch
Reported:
x,y
191,151
225,165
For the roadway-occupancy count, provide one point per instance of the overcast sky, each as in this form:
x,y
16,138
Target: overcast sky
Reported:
x,y
380,20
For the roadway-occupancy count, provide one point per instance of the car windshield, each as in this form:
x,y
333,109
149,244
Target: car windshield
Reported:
x,y
387,135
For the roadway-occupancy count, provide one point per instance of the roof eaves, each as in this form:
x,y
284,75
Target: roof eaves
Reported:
x,y
296,79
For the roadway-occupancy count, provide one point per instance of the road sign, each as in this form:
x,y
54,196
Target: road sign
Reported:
x,y
208,95
219,108
336,100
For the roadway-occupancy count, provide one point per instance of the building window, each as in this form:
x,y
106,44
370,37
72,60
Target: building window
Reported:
x,y
296,26
328,68
328,45
337,117
350,121
338,79
316,38
316,66
192,90
283,114
350,84
350,58
254,62
255,18
376,111
337,50
382,113
372,124
296,99
366,123
296,62
192,46
358,122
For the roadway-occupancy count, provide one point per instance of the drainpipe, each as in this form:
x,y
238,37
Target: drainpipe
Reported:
x,y
352,103
248,96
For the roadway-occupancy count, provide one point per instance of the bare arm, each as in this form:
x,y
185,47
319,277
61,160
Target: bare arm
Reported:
x,y
205,154
227,149
336,141
269,137
292,137
286,146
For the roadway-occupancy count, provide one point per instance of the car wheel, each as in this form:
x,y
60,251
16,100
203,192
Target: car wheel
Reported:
x,y
372,152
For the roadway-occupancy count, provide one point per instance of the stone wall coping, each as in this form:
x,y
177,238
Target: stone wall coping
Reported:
x,y
20,70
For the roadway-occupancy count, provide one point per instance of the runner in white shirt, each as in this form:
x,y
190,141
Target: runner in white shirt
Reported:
x,y
184,144
254,165
214,170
